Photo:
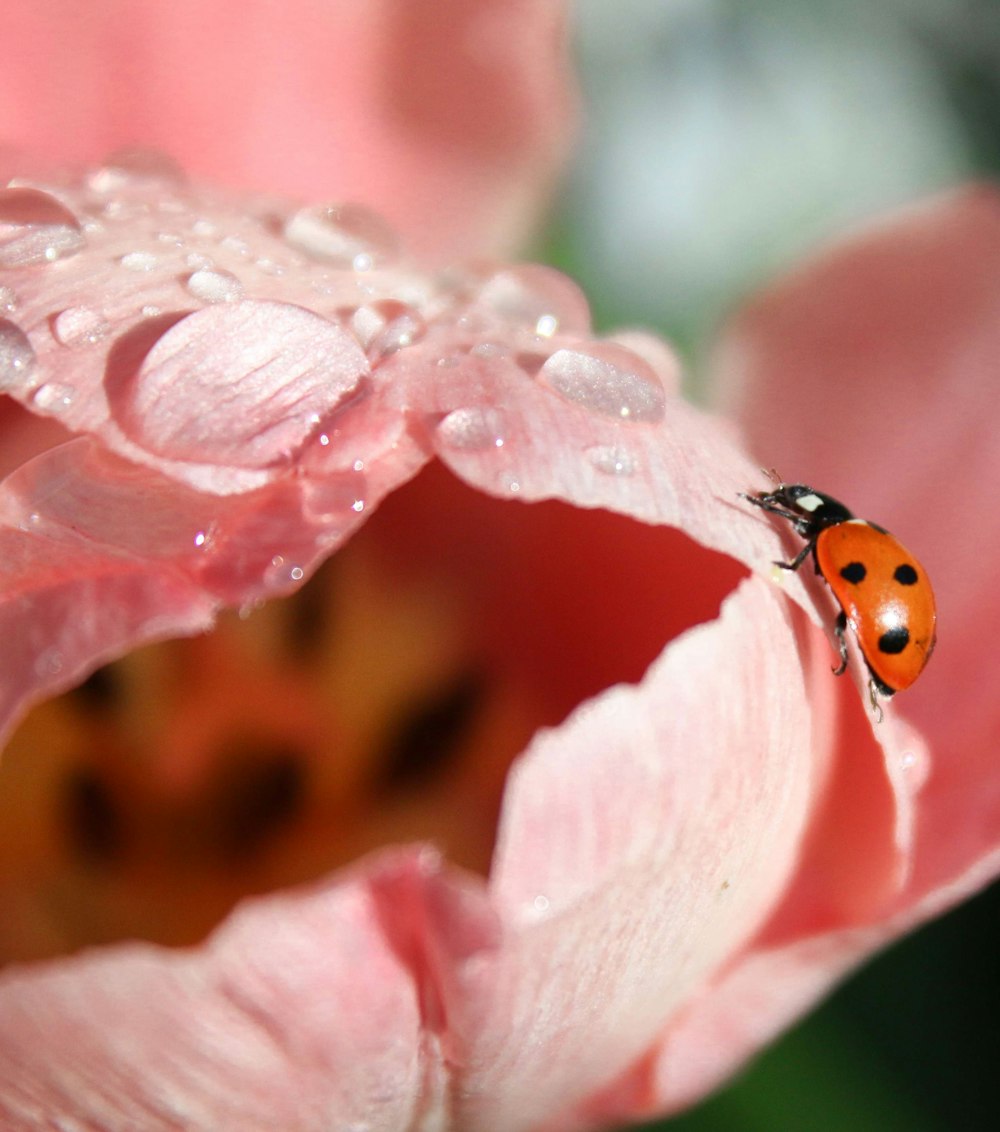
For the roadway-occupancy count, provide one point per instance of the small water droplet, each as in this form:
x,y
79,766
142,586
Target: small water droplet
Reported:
x,y
8,300
472,429
133,165
347,235
538,297
49,663
540,903
138,261
612,459
214,286
201,539
282,573
386,326
79,326
35,227
510,483
237,245
54,397
608,379
17,358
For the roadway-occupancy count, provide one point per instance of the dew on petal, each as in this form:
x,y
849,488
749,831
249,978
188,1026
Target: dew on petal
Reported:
x,y
281,573
214,286
538,297
135,165
472,429
346,235
386,326
611,459
35,227
79,326
331,497
17,358
607,379
244,384
8,300
53,397
139,261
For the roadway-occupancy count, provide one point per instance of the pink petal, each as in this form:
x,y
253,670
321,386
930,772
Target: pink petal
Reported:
x,y
396,105
893,340
664,837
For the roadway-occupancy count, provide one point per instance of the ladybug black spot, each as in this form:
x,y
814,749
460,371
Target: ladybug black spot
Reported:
x,y
905,575
894,641
853,572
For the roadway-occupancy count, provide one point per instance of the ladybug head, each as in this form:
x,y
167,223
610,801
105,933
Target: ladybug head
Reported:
x,y
808,510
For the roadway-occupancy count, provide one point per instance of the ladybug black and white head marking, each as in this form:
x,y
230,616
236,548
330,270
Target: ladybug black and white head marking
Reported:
x,y
808,510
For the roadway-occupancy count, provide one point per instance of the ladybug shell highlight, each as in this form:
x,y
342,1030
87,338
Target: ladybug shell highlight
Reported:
x,y
882,590
886,596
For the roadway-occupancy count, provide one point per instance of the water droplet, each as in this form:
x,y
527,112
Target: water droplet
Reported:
x,y
79,326
242,385
214,286
386,326
35,227
540,903
138,261
201,539
49,663
17,358
472,429
347,235
282,573
133,165
8,300
612,459
607,379
54,397
536,296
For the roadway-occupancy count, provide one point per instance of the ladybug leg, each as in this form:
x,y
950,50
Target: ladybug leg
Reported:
x,y
840,628
797,561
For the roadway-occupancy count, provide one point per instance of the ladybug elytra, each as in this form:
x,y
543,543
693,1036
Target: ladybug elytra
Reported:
x,y
883,592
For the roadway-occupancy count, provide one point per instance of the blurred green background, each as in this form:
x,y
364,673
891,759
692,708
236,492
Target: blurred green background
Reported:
x,y
723,141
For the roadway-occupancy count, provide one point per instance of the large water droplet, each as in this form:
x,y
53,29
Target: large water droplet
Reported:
x,y
472,429
241,384
35,227
214,286
79,326
347,235
538,297
17,358
607,379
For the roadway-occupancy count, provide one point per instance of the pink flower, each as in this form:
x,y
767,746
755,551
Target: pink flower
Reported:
x,y
661,829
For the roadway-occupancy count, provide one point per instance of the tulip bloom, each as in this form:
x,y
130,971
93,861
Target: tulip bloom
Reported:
x,y
395,605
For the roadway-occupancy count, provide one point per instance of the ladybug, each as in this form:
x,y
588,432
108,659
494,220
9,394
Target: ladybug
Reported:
x,y
882,590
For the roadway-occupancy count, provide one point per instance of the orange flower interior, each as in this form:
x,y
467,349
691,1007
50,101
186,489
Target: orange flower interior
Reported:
x,y
383,703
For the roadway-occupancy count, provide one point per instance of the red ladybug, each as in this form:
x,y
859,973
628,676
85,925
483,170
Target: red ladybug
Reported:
x,y
882,590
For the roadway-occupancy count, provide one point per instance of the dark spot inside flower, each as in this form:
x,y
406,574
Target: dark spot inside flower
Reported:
x,y
100,691
428,735
91,816
308,616
255,796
